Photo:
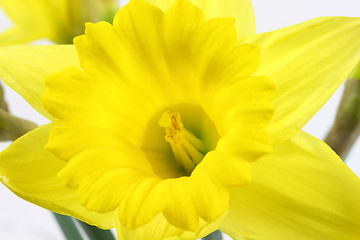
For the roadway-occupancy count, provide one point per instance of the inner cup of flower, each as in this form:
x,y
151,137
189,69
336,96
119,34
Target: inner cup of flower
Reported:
x,y
177,138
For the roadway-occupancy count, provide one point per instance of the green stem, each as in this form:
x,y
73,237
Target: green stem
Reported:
x,y
95,233
3,104
68,227
214,236
11,127
346,128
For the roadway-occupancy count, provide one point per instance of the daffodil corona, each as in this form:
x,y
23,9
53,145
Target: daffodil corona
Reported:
x,y
176,121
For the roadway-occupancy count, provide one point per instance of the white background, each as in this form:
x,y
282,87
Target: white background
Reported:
x,y
22,220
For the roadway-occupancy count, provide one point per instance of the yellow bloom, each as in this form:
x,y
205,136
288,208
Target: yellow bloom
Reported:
x,y
57,20
177,120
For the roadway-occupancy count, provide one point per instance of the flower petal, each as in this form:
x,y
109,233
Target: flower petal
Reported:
x,y
30,171
33,15
144,50
241,10
25,67
17,35
160,229
310,59
77,97
25,13
102,175
66,140
301,190
240,111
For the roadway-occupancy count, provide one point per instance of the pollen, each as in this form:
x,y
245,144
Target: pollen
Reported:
x,y
173,127
188,149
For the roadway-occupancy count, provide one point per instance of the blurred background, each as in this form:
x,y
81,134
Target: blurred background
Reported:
x,y
22,220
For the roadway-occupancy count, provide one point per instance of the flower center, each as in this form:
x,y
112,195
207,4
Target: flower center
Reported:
x,y
188,149
177,138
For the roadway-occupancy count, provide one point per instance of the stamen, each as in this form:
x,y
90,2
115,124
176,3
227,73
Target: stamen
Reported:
x,y
187,148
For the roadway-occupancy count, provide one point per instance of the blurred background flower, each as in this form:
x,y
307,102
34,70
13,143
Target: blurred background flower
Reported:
x,y
57,20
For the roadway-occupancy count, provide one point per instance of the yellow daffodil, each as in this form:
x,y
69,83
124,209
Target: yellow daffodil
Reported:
x,y
57,20
177,120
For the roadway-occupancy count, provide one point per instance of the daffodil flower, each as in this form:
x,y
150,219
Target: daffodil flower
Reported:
x,y
57,20
178,120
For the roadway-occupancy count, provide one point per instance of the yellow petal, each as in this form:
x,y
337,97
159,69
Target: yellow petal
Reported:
x,y
24,69
26,13
160,229
87,167
101,174
66,140
32,16
240,111
233,171
308,62
30,171
138,53
110,179
17,35
241,10
302,190
77,97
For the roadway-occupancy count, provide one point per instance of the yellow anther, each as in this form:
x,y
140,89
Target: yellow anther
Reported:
x,y
187,148
173,127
